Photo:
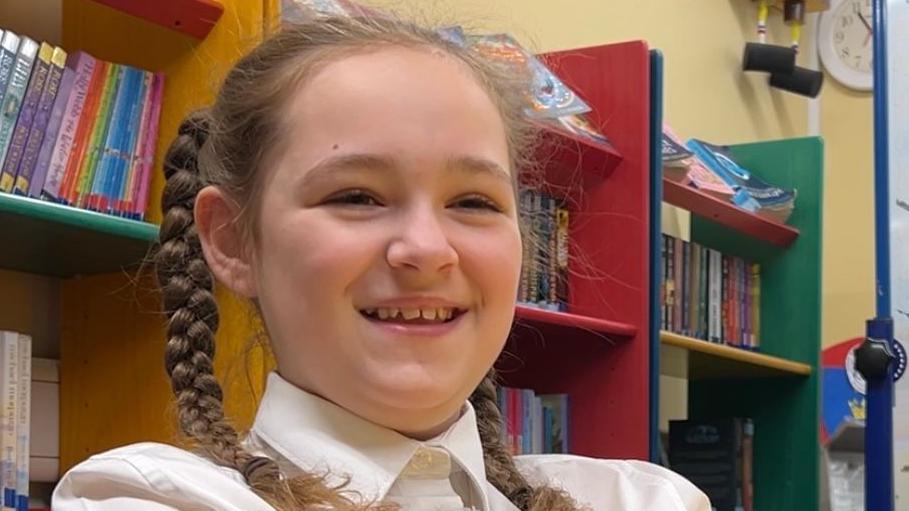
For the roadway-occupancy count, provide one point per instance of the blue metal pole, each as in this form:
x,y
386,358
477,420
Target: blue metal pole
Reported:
x,y
879,481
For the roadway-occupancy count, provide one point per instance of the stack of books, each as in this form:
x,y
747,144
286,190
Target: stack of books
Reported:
x,y
75,129
15,418
712,169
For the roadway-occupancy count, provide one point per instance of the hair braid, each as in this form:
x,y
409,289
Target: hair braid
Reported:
x,y
186,284
501,470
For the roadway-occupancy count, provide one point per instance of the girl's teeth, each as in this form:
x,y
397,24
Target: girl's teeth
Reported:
x,y
410,313
407,314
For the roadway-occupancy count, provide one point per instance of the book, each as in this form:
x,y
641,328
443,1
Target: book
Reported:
x,y
27,111
751,193
39,124
42,162
9,388
127,143
83,131
9,45
12,102
675,157
23,421
709,453
88,168
146,154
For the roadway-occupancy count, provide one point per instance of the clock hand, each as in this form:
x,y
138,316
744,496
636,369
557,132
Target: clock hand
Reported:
x,y
865,21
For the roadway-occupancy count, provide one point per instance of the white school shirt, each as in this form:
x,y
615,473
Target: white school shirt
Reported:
x,y
303,431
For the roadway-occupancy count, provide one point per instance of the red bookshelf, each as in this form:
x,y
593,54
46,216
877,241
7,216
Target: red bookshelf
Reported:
x,y
727,214
194,18
598,351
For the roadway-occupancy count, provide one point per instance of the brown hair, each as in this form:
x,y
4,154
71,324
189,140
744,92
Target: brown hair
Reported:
x,y
226,146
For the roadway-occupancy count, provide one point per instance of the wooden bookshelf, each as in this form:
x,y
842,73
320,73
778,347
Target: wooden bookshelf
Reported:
x,y
194,18
727,214
705,360
61,241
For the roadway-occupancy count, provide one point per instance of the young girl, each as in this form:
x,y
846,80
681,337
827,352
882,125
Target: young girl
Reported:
x,y
356,180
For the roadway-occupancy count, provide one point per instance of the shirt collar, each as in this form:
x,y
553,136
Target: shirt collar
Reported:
x,y
318,436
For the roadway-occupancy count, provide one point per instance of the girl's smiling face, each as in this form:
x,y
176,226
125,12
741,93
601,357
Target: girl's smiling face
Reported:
x,y
393,197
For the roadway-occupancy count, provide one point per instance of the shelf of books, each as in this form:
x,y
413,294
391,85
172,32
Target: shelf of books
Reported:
x,y
592,352
741,320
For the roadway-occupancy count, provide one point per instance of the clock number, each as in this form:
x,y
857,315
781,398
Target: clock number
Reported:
x,y
846,21
845,52
839,36
857,7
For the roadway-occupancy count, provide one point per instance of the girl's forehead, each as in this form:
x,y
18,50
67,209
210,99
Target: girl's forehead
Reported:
x,y
396,100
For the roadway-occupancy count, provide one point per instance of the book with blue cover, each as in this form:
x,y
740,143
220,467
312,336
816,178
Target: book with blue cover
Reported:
x,y
750,191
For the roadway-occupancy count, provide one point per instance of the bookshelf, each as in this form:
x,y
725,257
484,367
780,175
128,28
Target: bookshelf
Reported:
x,y
604,368
778,388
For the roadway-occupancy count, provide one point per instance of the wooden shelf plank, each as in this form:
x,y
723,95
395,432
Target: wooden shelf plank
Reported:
x,y
709,360
727,214
52,239
581,323
194,18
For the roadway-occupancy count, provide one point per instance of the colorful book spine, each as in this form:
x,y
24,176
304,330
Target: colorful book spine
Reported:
x,y
23,417
147,157
9,385
27,111
85,72
87,122
127,146
42,164
562,256
88,167
101,165
128,192
9,46
38,128
12,102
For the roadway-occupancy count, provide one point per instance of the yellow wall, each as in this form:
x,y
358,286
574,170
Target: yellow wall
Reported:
x,y
847,126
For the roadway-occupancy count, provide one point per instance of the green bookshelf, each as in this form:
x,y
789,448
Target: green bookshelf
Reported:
x,y
785,408
61,241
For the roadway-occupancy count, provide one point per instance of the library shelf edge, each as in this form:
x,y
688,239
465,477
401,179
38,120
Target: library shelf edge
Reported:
x,y
704,360
727,214
194,18
61,241
527,314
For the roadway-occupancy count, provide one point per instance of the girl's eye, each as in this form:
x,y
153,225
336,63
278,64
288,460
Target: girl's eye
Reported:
x,y
477,202
353,198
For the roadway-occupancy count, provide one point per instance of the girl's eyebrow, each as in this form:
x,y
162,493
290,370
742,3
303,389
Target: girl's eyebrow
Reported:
x,y
329,167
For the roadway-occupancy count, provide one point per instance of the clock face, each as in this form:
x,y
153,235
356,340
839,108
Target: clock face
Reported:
x,y
846,42
852,34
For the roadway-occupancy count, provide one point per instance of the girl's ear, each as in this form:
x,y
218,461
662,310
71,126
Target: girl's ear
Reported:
x,y
222,241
